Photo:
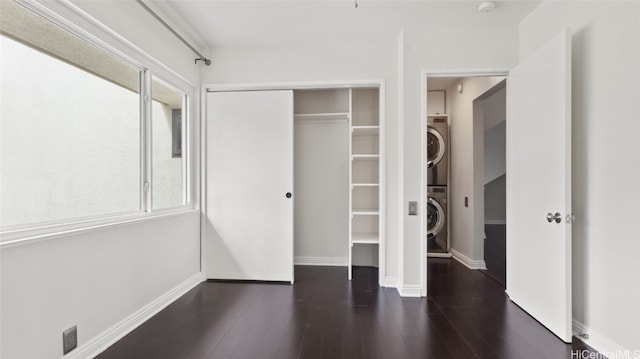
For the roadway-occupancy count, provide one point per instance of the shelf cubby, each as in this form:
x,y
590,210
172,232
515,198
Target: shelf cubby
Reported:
x,y
366,190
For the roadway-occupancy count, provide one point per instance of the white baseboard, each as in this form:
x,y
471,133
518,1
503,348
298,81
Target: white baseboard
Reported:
x,y
320,261
470,263
438,255
101,342
599,342
390,282
410,291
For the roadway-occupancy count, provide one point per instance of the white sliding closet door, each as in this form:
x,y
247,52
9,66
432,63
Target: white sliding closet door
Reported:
x,y
249,179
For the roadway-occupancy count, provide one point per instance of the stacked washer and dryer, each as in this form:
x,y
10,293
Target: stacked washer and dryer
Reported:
x,y
437,179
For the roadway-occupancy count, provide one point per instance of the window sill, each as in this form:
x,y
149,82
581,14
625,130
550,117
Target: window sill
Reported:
x,y
11,238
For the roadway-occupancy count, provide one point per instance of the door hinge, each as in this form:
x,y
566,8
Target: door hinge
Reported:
x,y
146,186
571,218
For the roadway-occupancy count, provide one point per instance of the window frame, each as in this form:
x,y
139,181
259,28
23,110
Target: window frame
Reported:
x,y
19,233
185,155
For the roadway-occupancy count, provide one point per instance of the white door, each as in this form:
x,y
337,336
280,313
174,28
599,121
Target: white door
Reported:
x,y
249,181
539,183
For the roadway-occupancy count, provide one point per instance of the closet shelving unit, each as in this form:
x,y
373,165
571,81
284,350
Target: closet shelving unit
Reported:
x,y
359,109
364,174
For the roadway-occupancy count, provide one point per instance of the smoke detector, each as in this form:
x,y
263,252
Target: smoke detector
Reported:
x,y
486,6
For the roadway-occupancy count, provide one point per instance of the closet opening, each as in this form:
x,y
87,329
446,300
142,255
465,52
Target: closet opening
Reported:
x,y
337,172
310,161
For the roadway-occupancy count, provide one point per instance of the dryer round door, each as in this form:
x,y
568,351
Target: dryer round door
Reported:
x,y
435,218
435,147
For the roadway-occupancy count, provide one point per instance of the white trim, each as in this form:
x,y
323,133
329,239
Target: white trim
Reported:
x,y
468,262
400,139
597,341
438,255
350,221
104,340
204,220
477,72
390,282
413,291
320,261
295,85
382,181
38,234
146,141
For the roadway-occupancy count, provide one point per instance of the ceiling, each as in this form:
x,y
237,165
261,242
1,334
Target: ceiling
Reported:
x,y
295,22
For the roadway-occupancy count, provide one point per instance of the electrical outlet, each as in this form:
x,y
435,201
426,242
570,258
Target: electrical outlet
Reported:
x,y
69,339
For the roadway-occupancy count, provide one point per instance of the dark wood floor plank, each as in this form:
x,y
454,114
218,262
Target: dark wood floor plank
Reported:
x,y
324,316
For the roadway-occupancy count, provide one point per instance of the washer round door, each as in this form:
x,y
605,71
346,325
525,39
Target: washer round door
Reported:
x,y
435,218
435,147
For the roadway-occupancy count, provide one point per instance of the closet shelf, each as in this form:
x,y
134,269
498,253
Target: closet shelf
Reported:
x,y
370,157
335,116
366,212
365,238
437,115
365,130
365,184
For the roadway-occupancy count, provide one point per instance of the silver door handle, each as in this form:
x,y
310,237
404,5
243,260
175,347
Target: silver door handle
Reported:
x,y
554,217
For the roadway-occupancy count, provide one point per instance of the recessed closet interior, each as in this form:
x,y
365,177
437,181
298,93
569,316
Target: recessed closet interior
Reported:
x,y
337,165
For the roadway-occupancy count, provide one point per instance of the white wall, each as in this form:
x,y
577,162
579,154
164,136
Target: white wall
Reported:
x,y
494,174
494,117
325,62
96,279
495,199
495,108
605,160
495,151
321,165
93,280
495,127
466,141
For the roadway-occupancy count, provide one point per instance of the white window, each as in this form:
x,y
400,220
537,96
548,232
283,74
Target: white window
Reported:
x,y
167,111
73,140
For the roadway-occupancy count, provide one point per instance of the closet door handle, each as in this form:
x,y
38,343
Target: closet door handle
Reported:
x,y
288,195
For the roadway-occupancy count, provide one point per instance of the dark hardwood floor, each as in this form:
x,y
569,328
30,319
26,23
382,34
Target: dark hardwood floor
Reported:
x,y
325,316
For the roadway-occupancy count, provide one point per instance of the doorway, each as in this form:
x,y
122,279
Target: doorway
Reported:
x,y
475,108
538,137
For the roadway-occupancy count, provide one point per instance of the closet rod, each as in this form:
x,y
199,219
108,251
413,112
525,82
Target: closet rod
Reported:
x,y
174,32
